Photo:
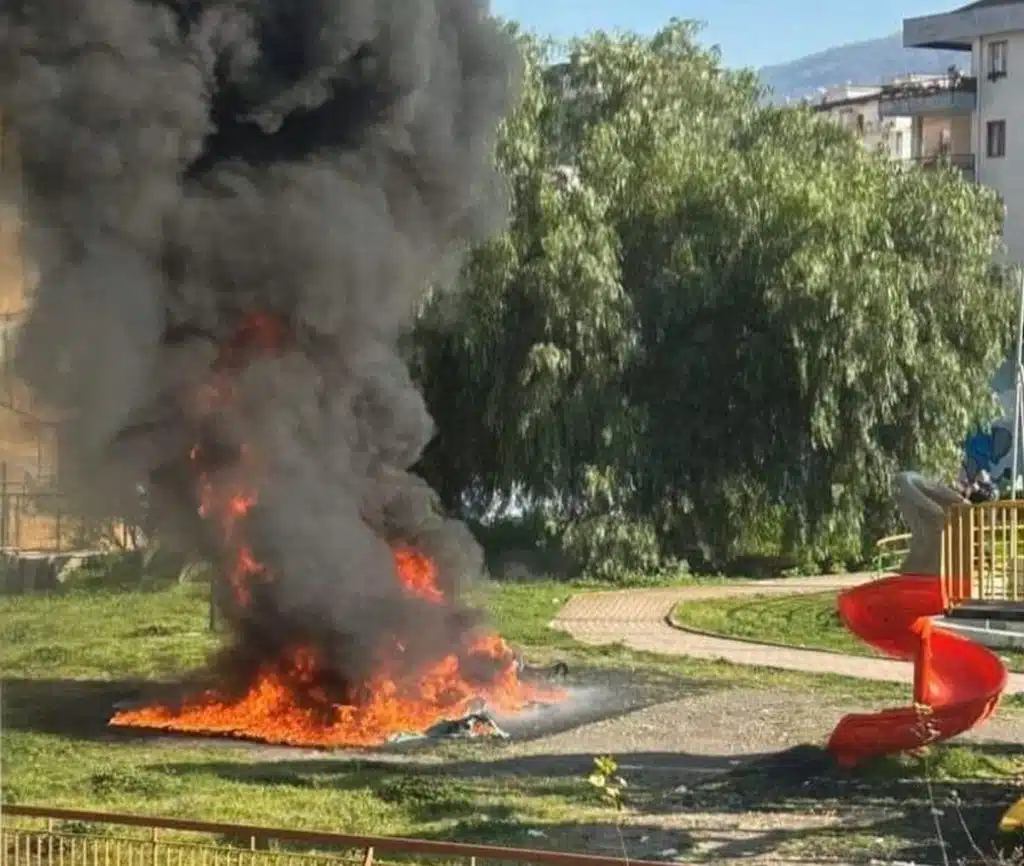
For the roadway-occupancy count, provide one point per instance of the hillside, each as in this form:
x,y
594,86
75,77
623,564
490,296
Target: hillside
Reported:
x,y
872,62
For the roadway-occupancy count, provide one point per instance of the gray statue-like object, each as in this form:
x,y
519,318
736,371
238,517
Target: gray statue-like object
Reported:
x,y
924,503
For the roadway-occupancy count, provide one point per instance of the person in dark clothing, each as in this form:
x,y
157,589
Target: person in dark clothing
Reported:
x,y
983,489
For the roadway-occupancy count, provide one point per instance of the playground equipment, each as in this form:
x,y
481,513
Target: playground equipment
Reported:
x,y
960,556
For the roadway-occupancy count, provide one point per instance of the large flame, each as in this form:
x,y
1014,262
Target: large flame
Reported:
x,y
285,705
287,702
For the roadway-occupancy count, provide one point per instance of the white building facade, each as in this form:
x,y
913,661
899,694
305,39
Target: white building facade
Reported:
x,y
991,99
858,109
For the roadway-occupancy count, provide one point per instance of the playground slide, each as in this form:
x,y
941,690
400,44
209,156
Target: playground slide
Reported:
x,y
960,681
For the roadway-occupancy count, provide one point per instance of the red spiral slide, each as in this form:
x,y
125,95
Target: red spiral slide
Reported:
x,y
960,681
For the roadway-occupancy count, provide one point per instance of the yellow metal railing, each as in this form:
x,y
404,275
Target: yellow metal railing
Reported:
x,y
891,551
983,552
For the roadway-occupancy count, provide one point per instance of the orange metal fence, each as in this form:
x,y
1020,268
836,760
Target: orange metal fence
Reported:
x,y
33,836
983,552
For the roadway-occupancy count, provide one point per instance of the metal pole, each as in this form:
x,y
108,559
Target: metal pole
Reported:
x,y
1018,422
5,508
3,841
1018,409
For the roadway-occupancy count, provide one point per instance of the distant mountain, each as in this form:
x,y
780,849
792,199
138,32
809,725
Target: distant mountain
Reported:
x,y
871,62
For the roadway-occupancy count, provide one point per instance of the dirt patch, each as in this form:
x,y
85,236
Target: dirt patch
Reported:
x,y
733,725
727,777
714,776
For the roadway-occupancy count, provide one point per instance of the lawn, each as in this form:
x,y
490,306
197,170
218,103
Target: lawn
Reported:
x,y
66,659
100,634
808,621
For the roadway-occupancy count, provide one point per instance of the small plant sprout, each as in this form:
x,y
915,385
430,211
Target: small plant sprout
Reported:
x,y
606,780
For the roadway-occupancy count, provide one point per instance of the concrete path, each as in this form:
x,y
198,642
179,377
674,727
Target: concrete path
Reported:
x,y
638,618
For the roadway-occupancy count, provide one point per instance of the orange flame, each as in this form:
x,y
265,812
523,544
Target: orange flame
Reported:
x,y
285,704
285,707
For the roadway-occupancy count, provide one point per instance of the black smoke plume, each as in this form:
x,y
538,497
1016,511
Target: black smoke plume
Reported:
x,y
191,167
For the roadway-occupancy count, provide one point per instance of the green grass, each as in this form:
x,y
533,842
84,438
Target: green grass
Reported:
x,y
105,635
65,660
808,620
337,795
805,620
109,635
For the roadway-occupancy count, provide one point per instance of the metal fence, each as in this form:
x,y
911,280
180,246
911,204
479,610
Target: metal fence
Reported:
x,y
983,552
37,519
34,515
60,837
891,551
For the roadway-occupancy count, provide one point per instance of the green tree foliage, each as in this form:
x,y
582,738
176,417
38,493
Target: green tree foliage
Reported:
x,y
522,366
713,327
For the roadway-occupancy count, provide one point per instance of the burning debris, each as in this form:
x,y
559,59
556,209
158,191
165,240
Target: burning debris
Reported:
x,y
293,701
234,210
474,726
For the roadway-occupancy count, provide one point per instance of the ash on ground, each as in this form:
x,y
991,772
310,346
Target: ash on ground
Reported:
x,y
590,695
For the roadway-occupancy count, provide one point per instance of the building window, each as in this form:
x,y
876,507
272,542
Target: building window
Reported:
x,y
996,138
997,59
898,144
860,123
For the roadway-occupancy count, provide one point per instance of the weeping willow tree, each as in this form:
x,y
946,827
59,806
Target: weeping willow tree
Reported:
x,y
712,326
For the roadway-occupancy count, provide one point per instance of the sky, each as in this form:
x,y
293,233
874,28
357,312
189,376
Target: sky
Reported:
x,y
750,32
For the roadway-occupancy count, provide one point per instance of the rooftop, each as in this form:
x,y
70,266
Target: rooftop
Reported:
x,y
981,4
958,29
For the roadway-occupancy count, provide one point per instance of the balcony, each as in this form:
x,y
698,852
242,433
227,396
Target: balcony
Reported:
x,y
962,161
945,96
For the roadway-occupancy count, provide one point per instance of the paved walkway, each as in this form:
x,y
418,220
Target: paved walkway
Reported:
x,y
638,618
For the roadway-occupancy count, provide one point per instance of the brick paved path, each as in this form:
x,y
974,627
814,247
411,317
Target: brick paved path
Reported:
x,y
638,618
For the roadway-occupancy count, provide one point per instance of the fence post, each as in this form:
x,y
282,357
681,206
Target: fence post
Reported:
x,y
368,857
18,499
57,521
5,506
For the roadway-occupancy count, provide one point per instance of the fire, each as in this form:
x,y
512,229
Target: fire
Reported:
x,y
417,574
285,706
287,701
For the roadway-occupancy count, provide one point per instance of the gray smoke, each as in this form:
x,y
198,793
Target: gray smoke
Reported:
x,y
190,163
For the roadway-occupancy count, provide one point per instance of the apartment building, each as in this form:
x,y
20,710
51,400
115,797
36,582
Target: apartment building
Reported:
x,y
858,109
27,440
989,133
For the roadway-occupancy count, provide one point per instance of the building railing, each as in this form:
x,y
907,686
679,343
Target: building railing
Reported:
x,y
929,87
963,161
32,836
950,95
983,552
